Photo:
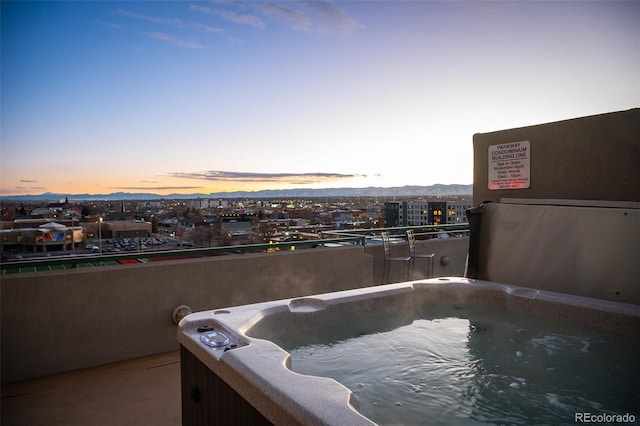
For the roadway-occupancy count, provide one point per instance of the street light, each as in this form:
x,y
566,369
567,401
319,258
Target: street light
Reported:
x,y
73,236
100,233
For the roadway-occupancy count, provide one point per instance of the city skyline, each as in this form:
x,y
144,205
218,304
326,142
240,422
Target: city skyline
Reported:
x,y
451,190
205,97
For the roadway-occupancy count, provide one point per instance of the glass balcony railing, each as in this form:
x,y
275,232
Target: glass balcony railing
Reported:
x,y
293,242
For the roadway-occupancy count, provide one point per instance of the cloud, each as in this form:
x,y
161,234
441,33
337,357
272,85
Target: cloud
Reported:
x,y
29,187
305,16
251,20
155,188
205,28
174,40
309,16
296,18
170,21
292,178
154,19
332,15
21,188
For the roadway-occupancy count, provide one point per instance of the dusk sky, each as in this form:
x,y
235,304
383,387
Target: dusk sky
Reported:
x,y
187,96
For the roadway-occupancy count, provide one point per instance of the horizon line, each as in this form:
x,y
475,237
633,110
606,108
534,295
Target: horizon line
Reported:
x,y
199,194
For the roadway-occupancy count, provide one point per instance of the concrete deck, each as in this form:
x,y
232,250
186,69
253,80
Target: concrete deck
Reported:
x,y
143,391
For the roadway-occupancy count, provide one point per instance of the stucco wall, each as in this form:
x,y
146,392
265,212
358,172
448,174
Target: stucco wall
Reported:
x,y
67,320
60,321
587,158
586,251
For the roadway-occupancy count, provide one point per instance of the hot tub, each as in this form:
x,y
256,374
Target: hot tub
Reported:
x,y
236,366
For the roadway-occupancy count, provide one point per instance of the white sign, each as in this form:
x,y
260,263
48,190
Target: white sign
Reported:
x,y
510,166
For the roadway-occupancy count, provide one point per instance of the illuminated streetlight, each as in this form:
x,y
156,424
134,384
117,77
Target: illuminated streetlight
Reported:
x,y
100,233
73,236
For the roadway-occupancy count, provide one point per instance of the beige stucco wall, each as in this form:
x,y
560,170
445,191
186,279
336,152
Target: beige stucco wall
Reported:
x,y
587,158
67,320
61,321
586,251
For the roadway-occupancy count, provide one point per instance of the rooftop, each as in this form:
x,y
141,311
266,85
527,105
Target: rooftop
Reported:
x,y
104,369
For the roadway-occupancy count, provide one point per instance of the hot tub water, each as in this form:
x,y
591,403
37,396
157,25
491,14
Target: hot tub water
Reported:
x,y
478,366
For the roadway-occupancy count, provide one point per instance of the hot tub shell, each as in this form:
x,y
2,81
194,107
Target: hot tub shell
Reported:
x,y
250,380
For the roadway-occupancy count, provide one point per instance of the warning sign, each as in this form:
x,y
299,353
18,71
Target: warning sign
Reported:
x,y
510,166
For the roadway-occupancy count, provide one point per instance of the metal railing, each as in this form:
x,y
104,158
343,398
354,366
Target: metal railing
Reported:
x,y
325,239
374,235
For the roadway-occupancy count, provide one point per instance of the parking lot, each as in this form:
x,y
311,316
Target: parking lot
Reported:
x,y
114,245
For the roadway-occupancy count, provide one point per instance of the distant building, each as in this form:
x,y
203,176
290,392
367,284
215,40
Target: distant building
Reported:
x,y
425,212
47,236
126,229
341,215
236,228
392,214
208,203
60,206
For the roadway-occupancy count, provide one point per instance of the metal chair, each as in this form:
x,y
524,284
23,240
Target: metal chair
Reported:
x,y
388,259
412,253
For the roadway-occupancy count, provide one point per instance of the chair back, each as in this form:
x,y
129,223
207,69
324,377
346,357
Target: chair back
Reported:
x,y
411,238
386,244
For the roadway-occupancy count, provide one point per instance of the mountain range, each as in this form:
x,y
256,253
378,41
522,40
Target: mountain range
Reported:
x,y
397,191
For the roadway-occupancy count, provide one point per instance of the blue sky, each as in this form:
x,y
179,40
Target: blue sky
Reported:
x,y
187,96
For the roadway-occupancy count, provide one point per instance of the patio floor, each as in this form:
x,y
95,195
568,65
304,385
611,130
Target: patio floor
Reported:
x,y
143,391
